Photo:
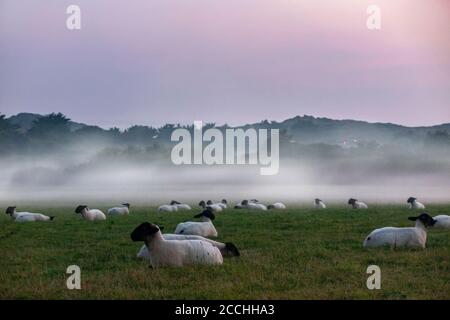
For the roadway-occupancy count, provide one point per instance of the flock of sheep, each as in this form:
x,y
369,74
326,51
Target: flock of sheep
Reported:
x,y
190,243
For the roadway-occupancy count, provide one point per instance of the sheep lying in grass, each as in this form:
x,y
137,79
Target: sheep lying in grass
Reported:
x,y
222,204
356,204
168,208
402,237
162,252
319,204
227,249
90,214
209,205
414,204
203,229
251,205
26,216
442,222
180,206
277,205
120,211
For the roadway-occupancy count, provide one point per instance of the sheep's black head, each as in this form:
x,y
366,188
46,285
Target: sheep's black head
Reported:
x,y
80,208
411,200
244,202
202,204
352,201
141,232
10,210
174,202
207,214
126,205
209,202
231,250
224,201
270,206
425,218
317,200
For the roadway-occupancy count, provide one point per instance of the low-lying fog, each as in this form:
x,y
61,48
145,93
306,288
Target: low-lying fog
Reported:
x,y
98,178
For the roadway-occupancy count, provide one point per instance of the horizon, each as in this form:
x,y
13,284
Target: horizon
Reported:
x,y
222,124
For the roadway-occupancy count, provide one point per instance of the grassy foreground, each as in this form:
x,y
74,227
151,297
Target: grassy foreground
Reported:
x,y
299,253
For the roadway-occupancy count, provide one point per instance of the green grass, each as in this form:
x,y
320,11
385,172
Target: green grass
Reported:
x,y
299,253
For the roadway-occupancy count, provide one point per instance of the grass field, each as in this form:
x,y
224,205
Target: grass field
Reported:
x,y
299,253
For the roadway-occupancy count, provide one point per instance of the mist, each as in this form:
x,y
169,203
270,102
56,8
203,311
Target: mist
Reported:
x,y
93,174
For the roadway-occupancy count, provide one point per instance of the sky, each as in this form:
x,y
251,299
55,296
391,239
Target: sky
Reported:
x,y
226,61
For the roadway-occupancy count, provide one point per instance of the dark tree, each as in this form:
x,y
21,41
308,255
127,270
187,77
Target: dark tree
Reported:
x,y
53,125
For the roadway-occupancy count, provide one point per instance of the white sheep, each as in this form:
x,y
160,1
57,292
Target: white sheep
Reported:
x,y
178,253
356,204
227,249
211,206
90,214
442,222
26,216
180,206
414,204
277,205
319,204
222,204
168,208
124,210
251,205
204,228
402,237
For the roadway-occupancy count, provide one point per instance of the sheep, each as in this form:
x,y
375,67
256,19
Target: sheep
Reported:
x,y
251,205
27,216
277,205
414,204
168,208
241,205
442,222
180,206
211,206
356,204
319,204
222,204
402,237
227,249
125,210
203,229
90,214
178,253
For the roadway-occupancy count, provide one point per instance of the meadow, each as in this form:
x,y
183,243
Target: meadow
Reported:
x,y
299,253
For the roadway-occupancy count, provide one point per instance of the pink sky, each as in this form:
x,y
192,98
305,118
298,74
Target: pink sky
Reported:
x,y
234,61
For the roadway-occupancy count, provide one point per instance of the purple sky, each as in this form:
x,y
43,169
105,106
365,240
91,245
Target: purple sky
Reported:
x,y
233,61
